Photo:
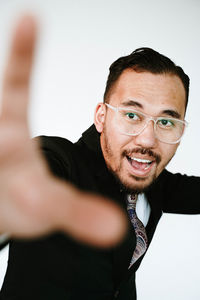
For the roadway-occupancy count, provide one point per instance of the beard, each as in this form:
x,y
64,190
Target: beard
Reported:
x,y
128,183
133,184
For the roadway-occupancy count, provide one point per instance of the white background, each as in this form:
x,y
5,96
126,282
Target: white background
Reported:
x,y
78,41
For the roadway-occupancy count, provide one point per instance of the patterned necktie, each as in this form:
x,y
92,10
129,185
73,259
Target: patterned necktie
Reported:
x,y
141,237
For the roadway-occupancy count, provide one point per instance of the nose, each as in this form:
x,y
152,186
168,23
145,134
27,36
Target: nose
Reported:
x,y
147,138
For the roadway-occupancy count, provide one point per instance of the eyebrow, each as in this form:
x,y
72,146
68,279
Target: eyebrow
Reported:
x,y
132,103
170,112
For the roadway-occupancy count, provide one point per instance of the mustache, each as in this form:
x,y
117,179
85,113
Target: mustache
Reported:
x,y
143,151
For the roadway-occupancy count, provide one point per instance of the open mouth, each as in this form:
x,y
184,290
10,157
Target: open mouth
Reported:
x,y
140,166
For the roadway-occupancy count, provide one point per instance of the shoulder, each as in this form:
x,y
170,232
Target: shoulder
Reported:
x,y
171,185
67,160
175,179
59,153
179,193
54,143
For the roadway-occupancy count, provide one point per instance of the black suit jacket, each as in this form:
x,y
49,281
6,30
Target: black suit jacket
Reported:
x,y
57,267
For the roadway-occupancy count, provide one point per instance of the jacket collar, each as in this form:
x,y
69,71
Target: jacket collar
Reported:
x,y
107,181
91,137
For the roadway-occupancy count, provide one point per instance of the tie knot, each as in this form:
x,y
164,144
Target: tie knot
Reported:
x,y
132,199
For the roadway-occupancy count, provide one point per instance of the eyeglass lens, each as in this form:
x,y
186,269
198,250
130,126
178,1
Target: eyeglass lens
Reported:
x,y
168,130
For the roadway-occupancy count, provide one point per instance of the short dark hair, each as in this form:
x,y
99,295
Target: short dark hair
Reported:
x,y
141,60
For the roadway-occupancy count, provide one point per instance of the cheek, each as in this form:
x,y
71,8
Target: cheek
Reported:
x,y
113,144
167,152
115,139
121,143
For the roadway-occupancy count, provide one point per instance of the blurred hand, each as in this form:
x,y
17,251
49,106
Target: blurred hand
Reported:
x,y
32,201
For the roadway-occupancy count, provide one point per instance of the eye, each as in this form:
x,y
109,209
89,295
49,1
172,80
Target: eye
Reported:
x,y
166,123
132,116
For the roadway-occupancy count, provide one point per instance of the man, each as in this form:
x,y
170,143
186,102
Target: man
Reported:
x,y
123,156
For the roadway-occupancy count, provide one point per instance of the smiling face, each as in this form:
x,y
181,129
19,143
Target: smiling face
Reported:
x,y
138,160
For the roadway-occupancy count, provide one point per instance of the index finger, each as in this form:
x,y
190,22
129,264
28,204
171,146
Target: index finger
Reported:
x,y
18,70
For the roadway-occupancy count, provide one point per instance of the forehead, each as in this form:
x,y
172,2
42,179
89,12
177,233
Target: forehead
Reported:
x,y
154,91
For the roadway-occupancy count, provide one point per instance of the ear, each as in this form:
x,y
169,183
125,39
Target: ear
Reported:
x,y
99,116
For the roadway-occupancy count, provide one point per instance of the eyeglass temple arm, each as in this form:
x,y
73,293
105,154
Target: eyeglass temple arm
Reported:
x,y
112,107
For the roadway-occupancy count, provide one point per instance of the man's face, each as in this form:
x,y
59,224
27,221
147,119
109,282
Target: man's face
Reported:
x,y
127,156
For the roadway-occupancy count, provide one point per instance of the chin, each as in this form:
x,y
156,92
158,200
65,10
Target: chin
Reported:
x,y
135,184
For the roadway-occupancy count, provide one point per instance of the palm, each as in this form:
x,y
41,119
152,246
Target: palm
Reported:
x,y
27,188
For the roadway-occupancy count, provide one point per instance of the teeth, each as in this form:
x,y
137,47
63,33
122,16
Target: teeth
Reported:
x,y
147,167
144,161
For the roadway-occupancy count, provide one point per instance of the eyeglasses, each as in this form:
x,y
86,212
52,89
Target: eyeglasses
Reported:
x,y
132,122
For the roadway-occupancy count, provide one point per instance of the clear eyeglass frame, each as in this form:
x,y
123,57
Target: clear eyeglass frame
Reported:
x,y
183,123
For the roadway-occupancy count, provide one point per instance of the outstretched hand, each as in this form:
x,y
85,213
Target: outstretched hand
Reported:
x,y
27,188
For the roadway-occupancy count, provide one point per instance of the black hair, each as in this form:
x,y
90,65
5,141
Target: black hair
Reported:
x,y
141,60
